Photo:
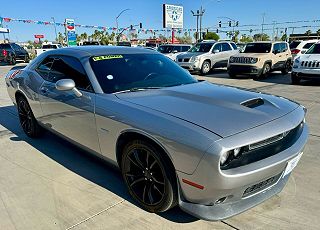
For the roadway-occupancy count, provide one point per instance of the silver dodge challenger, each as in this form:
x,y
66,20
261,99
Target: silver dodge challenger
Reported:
x,y
215,151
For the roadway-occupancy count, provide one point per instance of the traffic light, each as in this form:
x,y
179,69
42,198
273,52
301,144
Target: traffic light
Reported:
x,y
140,25
217,31
237,23
230,23
207,30
219,23
131,27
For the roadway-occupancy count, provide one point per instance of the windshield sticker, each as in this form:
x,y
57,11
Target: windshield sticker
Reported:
x,y
110,77
106,57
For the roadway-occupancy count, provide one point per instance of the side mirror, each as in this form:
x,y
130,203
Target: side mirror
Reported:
x,y
66,85
215,51
276,51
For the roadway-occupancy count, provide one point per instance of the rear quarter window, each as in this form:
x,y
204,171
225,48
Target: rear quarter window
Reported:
x,y
308,45
234,46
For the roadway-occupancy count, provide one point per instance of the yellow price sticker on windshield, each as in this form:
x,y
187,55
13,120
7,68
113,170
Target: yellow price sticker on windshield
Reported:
x,y
107,57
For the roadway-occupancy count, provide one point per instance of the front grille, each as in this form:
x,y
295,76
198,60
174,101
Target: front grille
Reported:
x,y
260,186
310,64
266,148
241,60
183,59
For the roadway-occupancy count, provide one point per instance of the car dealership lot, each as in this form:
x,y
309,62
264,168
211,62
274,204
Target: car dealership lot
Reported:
x,y
49,184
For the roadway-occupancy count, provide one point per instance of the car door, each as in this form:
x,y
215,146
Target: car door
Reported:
x,y
63,111
226,51
216,57
277,56
18,51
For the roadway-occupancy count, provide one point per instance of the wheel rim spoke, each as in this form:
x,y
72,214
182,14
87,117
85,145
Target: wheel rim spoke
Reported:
x,y
157,189
136,181
157,181
150,195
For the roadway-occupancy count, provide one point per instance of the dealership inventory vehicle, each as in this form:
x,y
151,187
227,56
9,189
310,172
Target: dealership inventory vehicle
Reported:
x,y
300,47
207,55
131,106
46,47
260,58
307,66
11,52
173,50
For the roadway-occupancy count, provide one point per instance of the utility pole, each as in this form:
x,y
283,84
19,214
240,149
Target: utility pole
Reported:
x,y
274,24
263,16
199,14
117,37
55,27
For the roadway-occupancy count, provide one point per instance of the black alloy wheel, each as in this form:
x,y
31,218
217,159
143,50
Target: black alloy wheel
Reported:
x,y
152,185
27,120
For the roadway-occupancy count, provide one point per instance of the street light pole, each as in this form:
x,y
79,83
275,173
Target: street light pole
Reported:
x,y
55,27
198,14
117,22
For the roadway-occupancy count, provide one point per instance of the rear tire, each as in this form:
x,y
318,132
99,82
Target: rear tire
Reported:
x,y
28,122
205,68
286,68
26,59
13,60
149,177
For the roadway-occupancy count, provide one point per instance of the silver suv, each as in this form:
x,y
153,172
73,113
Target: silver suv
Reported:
x,y
207,55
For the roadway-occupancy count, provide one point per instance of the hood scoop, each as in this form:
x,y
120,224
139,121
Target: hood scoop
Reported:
x,y
253,103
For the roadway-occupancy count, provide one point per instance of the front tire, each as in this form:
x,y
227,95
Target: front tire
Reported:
x,y
148,176
13,60
286,68
205,68
28,122
264,73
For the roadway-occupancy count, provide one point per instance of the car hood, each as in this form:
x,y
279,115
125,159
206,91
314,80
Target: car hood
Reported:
x,y
189,55
222,110
309,57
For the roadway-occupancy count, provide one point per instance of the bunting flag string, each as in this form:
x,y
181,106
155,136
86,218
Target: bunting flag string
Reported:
x,y
104,28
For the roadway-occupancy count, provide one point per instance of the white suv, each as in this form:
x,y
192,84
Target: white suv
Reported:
x,y
307,66
300,47
206,55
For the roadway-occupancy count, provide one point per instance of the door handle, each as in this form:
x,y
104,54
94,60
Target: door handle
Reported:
x,y
44,89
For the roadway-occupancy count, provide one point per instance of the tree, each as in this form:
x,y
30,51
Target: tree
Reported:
x,y
61,38
245,38
308,33
284,37
318,33
261,37
211,36
235,35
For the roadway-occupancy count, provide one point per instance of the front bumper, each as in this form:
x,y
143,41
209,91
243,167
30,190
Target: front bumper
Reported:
x,y
231,185
244,69
306,73
191,66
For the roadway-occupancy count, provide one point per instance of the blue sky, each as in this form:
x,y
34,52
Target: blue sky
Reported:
x,y
149,12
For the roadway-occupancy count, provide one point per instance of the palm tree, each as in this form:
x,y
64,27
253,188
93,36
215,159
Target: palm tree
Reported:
x,y
308,33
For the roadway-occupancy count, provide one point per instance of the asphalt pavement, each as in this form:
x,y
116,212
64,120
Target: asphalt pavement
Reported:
x,y
47,183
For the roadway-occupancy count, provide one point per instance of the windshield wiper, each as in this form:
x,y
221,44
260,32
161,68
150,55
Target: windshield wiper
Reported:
x,y
137,89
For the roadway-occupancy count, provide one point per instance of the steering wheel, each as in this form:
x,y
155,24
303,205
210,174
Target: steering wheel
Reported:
x,y
150,76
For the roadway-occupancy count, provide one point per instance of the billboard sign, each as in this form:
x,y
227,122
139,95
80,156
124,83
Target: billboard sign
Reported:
x,y
71,32
4,30
172,16
39,36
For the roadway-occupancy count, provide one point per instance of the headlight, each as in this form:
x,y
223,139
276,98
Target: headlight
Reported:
x,y
297,60
230,155
194,58
231,60
253,60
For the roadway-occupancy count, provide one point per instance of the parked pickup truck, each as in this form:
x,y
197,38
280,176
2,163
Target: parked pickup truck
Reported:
x,y
46,47
11,52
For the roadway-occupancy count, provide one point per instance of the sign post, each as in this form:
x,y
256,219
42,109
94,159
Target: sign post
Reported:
x,y
172,18
70,32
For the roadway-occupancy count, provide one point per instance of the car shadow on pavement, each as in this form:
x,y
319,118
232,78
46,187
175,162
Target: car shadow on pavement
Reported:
x,y
279,78
80,162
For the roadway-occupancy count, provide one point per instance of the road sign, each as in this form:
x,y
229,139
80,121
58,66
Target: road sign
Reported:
x,y
71,32
172,16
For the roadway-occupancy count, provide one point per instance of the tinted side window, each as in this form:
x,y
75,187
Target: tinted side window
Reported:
x,y
185,48
177,48
217,47
226,47
65,67
44,68
234,46
16,47
308,45
284,47
277,47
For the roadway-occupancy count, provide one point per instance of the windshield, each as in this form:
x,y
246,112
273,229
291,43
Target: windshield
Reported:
x,y
315,49
121,72
201,47
166,49
50,46
258,48
294,44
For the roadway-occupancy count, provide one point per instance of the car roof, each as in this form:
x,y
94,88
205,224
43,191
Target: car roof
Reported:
x,y
175,45
86,51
